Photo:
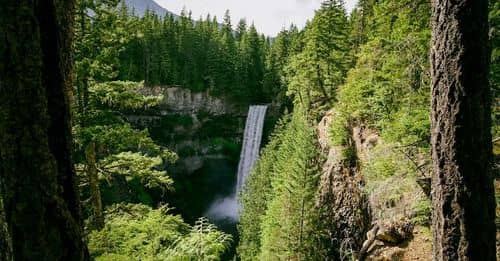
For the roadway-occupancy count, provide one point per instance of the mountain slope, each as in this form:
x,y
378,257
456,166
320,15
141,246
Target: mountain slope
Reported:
x,y
140,6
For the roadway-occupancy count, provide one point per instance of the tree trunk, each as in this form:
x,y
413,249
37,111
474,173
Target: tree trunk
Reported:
x,y
95,192
40,199
5,243
82,76
462,185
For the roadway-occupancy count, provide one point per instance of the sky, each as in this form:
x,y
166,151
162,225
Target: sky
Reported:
x,y
269,16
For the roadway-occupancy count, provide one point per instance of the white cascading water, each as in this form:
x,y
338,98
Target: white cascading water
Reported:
x,y
228,207
251,143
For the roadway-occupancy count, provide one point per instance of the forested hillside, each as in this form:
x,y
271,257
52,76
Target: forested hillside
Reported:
x,y
122,124
140,7
362,81
124,67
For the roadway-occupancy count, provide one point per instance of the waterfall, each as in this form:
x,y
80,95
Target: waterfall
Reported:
x,y
228,207
251,143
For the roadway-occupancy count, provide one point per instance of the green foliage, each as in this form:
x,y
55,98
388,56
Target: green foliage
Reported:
x,y
422,211
388,89
279,53
319,69
121,149
122,96
495,68
386,161
137,166
278,201
202,55
113,44
138,232
229,147
255,195
116,138
110,45
370,70
203,242
99,40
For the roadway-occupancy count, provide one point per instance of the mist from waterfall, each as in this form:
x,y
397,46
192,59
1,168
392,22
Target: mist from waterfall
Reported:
x,y
228,207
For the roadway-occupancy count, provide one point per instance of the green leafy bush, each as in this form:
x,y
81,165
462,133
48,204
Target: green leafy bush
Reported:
x,y
137,232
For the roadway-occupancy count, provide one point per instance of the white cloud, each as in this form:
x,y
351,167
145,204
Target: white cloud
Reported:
x,y
269,16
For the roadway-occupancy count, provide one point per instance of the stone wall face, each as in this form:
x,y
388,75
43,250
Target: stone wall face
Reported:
x,y
182,100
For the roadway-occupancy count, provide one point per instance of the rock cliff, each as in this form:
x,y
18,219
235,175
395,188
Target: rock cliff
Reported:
x,y
370,218
183,101
196,125
345,206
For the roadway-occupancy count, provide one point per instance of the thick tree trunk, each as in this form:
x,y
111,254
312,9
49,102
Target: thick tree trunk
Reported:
x,y
462,186
5,243
41,204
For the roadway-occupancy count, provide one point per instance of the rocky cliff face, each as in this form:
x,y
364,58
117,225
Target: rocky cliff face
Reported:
x,y
373,219
183,101
141,6
196,125
345,206
206,132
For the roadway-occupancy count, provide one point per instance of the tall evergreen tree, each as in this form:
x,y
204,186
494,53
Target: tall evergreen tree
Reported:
x,y
288,227
241,30
228,54
277,221
318,71
252,48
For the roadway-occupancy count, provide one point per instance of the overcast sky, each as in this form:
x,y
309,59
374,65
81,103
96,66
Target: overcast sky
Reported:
x,y
269,16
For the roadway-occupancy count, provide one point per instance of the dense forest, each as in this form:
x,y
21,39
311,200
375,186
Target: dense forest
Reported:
x,y
381,140
202,54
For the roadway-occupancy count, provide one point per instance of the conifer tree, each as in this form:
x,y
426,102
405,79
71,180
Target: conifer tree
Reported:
x,y
278,218
318,71
228,54
254,67
287,227
256,192
241,30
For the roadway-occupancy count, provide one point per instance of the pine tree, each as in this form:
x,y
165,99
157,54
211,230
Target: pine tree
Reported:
x,y
276,60
241,30
255,64
228,53
278,218
287,227
256,193
318,71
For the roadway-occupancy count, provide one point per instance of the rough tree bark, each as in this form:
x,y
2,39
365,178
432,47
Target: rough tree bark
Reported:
x,y
40,199
5,242
462,185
